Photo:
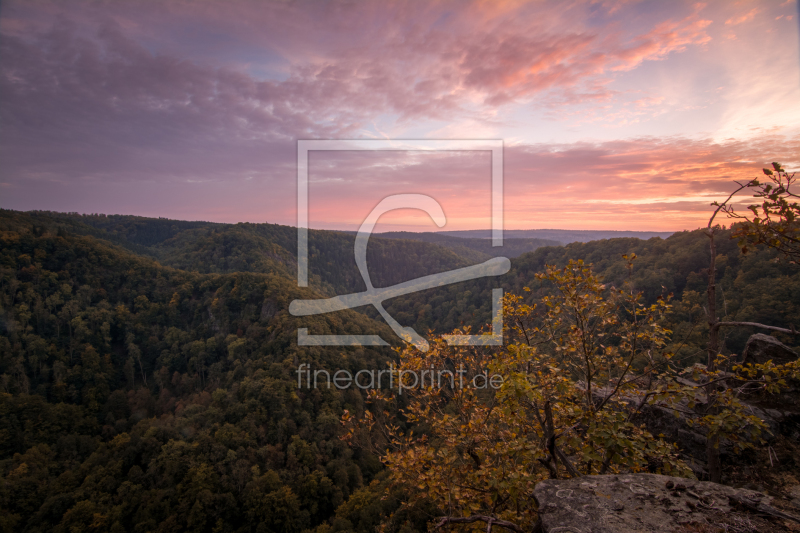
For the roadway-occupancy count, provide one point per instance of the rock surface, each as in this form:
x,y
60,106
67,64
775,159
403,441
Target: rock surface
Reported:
x,y
794,492
640,503
761,348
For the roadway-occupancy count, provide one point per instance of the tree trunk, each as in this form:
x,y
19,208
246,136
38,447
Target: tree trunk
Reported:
x,y
711,312
712,443
713,460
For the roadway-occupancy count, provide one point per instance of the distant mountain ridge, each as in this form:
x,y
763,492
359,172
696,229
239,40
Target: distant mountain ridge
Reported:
x,y
564,236
475,249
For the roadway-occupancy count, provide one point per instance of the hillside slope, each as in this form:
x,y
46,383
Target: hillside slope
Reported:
x,y
474,249
209,247
753,287
135,394
563,236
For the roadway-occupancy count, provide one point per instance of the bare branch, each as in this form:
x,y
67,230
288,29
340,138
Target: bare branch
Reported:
x,y
759,507
728,199
548,463
490,521
756,325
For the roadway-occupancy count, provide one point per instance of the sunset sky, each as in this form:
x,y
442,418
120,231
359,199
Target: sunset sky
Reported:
x,y
619,115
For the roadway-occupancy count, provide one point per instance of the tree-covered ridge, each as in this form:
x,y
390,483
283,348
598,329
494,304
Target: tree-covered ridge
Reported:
x,y
225,250
139,394
673,265
754,287
563,236
140,397
209,247
475,249
141,231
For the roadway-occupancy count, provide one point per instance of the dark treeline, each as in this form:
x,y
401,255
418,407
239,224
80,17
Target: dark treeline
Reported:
x,y
562,236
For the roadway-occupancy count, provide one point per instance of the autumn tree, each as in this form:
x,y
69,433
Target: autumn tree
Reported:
x,y
475,429
576,370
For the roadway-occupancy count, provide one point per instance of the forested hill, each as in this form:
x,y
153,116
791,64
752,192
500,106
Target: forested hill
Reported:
x,y
209,247
562,236
147,366
135,394
754,287
473,248
673,264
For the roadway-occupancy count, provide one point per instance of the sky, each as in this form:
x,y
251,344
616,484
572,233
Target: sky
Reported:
x,y
614,115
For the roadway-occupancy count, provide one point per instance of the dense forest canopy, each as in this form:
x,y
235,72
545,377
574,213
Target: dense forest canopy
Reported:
x,y
147,366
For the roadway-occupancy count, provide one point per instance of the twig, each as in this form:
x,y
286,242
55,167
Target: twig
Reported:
x,y
720,206
490,521
792,331
758,507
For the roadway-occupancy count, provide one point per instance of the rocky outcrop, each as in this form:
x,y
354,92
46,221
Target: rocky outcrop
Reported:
x,y
674,428
761,348
652,503
780,412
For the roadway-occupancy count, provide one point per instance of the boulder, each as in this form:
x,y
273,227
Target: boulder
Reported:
x,y
761,348
649,502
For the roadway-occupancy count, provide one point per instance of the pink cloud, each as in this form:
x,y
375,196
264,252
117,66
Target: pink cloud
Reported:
x,y
656,184
647,183
741,19
84,94
662,40
649,101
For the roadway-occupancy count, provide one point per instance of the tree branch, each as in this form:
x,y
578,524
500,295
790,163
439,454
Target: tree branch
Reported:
x,y
792,331
564,459
759,507
548,463
719,206
490,522
641,404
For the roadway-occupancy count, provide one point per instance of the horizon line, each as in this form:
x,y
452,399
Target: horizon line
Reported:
x,y
76,213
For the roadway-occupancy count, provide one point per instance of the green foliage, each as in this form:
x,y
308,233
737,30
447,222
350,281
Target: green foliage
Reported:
x,y
147,365
138,397
752,287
